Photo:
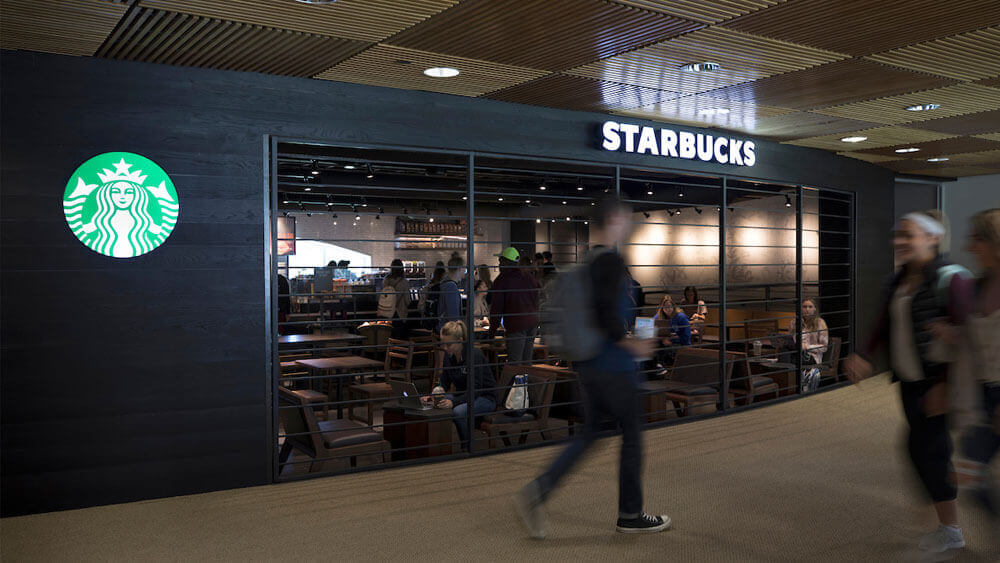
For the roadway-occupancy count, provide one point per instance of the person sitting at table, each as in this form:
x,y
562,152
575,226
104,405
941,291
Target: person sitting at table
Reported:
x,y
695,309
815,336
680,327
455,377
666,309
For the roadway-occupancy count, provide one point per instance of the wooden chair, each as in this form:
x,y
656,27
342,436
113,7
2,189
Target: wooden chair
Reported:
x,y
399,359
758,330
694,380
744,383
830,367
376,338
425,348
349,443
505,425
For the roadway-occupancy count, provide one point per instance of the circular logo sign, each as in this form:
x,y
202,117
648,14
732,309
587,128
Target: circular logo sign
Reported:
x,y
120,204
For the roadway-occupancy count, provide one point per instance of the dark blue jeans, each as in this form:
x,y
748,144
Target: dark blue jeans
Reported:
x,y
982,442
615,395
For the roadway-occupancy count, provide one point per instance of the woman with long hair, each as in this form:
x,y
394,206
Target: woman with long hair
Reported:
x,y
813,343
925,290
394,300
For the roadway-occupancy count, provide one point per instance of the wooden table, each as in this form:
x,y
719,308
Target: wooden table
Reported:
x,y
784,374
338,367
416,433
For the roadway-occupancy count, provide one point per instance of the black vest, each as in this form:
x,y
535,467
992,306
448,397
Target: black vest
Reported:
x,y
927,306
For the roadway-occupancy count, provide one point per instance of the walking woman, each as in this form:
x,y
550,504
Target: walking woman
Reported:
x,y
981,442
926,290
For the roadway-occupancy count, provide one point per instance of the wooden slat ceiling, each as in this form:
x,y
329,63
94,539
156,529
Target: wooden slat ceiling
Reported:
x,y
803,72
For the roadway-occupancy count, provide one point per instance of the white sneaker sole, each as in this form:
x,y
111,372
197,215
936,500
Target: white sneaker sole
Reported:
x,y
538,531
664,526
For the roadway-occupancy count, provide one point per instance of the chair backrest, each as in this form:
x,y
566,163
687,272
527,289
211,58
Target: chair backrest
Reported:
x,y
757,329
376,337
399,358
541,386
700,366
299,420
741,374
831,359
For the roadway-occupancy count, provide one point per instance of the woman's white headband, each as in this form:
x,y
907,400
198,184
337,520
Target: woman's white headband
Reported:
x,y
927,223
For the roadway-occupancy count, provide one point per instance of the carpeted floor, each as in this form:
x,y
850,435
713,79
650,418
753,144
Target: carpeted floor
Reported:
x,y
817,479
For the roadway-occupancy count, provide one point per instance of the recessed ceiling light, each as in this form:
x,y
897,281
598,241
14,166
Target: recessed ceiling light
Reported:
x,y
713,111
908,149
854,139
441,72
538,220
349,167
923,107
308,189
701,67
938,159
499,199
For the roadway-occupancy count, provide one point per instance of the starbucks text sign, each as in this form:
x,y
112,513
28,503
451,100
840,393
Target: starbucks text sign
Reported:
x,y
677,144
120,204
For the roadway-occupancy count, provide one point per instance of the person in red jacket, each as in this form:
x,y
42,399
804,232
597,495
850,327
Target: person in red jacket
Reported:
x,y
515,304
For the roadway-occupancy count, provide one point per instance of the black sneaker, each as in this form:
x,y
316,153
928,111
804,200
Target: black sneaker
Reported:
x,y
643,524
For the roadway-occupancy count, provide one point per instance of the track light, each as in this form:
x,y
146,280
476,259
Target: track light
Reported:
x,y
431,219
542,186
670,212
378,217
567,218
649,189
646,214
680,193
538,220
314,169
284,214
380,210
564,203
697,210
309,214
357,217
500,198
678,211
334,216
370,170
579,185
449,212
788,201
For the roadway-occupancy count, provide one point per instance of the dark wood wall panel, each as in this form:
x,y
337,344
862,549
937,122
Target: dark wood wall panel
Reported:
x,y
134,379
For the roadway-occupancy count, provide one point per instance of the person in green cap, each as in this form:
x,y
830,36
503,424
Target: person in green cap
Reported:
x,y
515,304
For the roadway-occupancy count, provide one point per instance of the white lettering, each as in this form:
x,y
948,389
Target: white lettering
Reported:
x,y
630,132
687,145
668,142
647,141
720,144
704,147
748,153
734,152
612,140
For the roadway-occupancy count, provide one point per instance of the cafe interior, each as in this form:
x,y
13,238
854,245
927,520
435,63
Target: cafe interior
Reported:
x,y
739,257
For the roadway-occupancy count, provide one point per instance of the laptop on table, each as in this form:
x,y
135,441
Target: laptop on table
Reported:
x,y
408,395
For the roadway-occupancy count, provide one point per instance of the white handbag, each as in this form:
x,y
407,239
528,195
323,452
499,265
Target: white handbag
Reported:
x,y
517,397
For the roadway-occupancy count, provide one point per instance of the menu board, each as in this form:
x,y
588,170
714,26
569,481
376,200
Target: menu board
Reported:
x,y
286,236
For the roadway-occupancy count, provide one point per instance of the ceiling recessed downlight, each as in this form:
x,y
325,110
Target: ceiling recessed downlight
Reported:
x,y
441,72
854,139
923,107
908,149
701,67
938,159
713,111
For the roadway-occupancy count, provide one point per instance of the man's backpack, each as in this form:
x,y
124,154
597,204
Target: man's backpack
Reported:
x,y
570,322
387,300
430,310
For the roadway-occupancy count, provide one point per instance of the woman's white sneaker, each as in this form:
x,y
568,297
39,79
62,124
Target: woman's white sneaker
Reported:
x,y
942,539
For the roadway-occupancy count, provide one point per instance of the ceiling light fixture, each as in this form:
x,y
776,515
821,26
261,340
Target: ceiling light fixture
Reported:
x,y
701,67
567,218
908,149
646,214
441,72
308,189
538,220
314,169
579,185
713,111
923,107
697,210
527,201
349,167
371,171
937,159
854,139
788,201
431,219
670,212
542,186
465,198
564,203
680,193
678,211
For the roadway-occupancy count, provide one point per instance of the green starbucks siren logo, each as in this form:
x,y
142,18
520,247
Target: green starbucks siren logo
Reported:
x,y
120,204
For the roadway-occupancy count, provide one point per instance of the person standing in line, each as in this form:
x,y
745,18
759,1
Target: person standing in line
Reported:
x,y
450,299
483,275
549,270
925,290
394,300
610,382
515,304
981,442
